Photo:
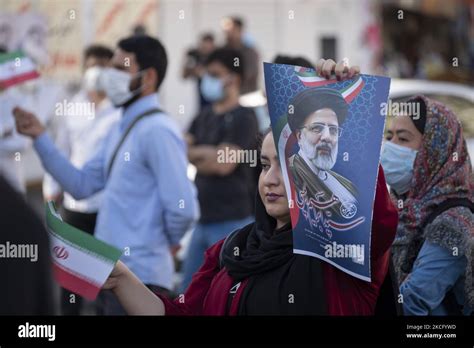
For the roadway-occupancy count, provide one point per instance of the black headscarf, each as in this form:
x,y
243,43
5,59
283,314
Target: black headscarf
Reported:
x,y
313,99
280,282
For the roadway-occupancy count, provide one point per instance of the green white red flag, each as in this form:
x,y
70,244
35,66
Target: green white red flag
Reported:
x,y
309,78
81,263
16,68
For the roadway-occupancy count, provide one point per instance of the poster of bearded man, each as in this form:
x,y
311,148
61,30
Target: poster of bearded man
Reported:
x,y
329,135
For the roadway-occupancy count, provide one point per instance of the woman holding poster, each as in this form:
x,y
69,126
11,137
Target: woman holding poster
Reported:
x,y
255,272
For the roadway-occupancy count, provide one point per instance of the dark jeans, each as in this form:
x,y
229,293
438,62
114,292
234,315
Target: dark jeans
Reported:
x,y
86,223
108,304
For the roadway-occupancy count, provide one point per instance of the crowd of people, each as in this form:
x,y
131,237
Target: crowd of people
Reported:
x,y
122,176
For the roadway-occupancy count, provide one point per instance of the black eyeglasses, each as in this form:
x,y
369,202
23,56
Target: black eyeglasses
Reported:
x,y
318,128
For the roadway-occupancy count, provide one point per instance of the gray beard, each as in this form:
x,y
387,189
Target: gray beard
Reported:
x,y
322,162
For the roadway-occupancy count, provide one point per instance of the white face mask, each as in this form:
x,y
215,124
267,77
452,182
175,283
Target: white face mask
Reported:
x,y
397,163
90,81
212,88
116,84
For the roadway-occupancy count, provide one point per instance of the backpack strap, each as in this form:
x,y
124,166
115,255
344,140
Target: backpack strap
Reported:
x,y
125,134
438,210
446,205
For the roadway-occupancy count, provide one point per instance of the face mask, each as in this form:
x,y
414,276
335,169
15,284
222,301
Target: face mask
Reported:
x,y
90,81
248,40
212,88
116,84
397,162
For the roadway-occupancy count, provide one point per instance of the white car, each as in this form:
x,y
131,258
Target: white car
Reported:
x,y
459,98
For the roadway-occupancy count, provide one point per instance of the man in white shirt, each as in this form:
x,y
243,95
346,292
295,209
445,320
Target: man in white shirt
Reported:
x,y
11,143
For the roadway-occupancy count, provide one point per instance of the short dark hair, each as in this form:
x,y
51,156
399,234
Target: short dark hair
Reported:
x,y
139,29
228,57
149,53
237,21
207,37
419,120
98,51
299,61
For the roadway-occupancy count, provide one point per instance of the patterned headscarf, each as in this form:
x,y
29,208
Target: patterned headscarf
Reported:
x,y
442,168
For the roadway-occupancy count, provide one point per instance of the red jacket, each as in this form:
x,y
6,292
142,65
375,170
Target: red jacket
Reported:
x,y
207,294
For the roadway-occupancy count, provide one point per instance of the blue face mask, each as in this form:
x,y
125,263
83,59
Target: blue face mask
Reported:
x,y
212,88
397,163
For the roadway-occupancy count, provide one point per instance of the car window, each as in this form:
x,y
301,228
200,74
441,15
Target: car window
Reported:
x,y
464,110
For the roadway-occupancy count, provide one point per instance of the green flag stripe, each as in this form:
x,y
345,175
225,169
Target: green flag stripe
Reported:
x,y
277,129
349,86
281,123
89,252
80,238
11,56
307,74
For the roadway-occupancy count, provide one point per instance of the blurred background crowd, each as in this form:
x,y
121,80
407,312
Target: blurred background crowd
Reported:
x,y
426,46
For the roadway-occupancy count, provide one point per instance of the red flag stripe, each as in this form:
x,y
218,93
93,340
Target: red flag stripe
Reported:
x,y
18,79
350,97
75,284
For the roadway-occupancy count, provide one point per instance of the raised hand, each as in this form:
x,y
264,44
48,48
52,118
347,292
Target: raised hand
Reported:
x,y
27,123
328,67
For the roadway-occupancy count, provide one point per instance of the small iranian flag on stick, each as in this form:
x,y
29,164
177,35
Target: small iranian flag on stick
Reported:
x,y
81,262
16,68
